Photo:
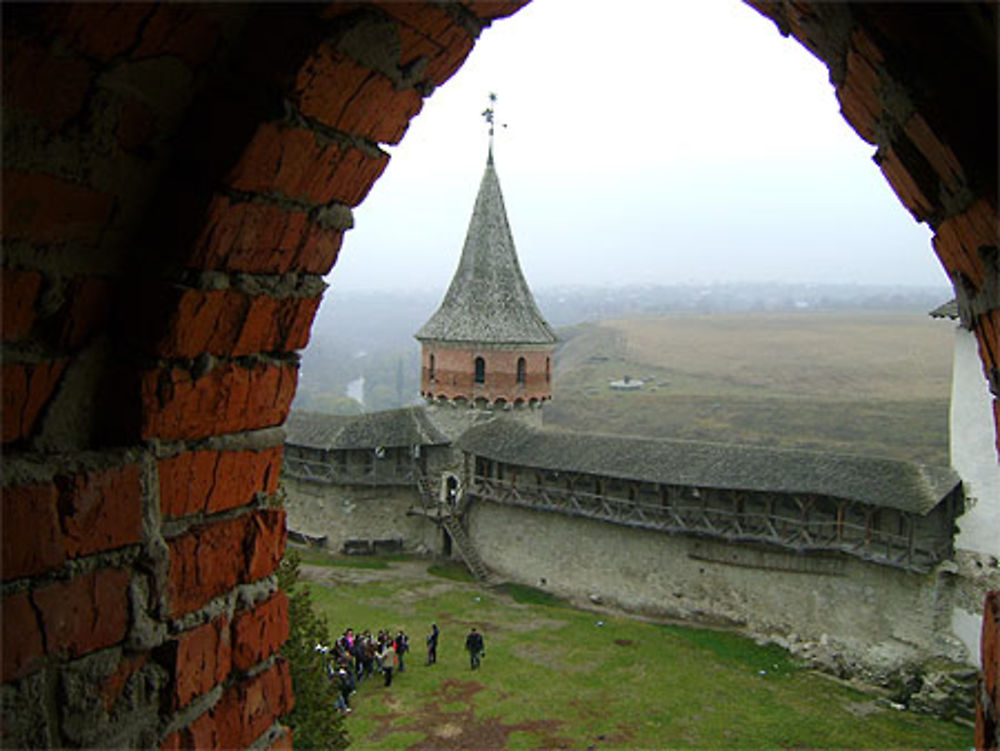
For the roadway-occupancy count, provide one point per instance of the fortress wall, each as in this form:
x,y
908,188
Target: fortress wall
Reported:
x,y
358,512
875,617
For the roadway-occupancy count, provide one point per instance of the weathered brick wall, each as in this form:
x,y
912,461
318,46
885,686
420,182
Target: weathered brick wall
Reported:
x,y
454,374
177,179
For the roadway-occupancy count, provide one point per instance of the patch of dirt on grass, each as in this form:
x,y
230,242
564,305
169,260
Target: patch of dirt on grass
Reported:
x,y
624,642
863,708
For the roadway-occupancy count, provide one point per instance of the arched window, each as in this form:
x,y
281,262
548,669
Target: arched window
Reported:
x,y
480,370
548,370
430,369
520,370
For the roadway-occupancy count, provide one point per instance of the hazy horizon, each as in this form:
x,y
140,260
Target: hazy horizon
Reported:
x,y
640,151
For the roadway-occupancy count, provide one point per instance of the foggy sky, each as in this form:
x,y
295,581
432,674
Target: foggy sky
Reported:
x,y
648,141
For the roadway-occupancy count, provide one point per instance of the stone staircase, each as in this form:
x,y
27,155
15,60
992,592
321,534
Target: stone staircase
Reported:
x,y
466,549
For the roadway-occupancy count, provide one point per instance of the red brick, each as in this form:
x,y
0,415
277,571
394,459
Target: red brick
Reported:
x,y
212,481
101,509
339,92
18,297
112,689
86,613
47,209
206,562
204,659
294,162
22,645
262,238
34,508
228,399
200,734
97,29
27,388
988,717
490,10
941,158
51,88
232,323
903,183
283,742
181,30
859,93
87,309
247,709
429,31
266,543
259,633
959,238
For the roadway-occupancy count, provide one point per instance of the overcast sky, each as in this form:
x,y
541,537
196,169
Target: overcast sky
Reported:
x,y
648,141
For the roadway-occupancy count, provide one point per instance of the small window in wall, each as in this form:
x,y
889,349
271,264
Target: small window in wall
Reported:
x,y
480,370
521,370
548,370
430,369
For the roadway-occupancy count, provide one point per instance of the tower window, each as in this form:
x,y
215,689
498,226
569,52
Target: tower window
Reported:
x,y
520,370
548,370
430,369
480,370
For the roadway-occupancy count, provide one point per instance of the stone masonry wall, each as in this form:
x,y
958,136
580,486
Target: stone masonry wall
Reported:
x,y
875,618
177,178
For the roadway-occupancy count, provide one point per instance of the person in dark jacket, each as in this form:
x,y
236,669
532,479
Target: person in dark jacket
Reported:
x,y
432,644
476,648
402,645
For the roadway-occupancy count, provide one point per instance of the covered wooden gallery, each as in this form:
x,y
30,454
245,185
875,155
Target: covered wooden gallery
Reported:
x,y
882,510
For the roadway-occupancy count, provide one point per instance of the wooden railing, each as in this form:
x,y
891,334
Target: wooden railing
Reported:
x,y
811,529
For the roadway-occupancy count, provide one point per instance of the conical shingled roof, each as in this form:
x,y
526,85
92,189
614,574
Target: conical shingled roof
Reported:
x,y
488,300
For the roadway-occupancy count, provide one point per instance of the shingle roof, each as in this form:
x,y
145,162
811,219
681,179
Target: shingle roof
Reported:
x,y
488,300
946,310
880,482
408,426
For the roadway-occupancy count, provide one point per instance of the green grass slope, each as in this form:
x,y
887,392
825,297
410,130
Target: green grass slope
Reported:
x,y
556,677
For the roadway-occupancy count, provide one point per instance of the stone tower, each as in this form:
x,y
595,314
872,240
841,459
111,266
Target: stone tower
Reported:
x,y
487,345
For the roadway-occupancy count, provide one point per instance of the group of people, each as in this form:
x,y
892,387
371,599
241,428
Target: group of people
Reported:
x,y
355,657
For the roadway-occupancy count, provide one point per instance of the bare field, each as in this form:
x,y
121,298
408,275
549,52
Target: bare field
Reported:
x,y
854,382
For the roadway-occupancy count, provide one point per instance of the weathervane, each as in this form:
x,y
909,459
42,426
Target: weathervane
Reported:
x,y
488,115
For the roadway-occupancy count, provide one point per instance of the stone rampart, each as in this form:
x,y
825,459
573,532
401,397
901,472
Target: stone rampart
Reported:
x,y
858,617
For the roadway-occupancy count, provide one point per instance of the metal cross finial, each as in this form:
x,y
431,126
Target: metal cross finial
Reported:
x,y
488,116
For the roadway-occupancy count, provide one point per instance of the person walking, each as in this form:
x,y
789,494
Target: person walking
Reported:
x,y
387,658
402,645
476,648
432,644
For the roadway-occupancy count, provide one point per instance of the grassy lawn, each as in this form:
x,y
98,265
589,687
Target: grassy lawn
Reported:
x,y
556,677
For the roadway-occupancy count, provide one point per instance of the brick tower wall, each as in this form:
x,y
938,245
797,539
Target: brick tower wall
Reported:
x,y
454,374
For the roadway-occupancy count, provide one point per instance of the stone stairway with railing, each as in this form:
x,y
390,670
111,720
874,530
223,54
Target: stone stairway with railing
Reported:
x,y
432,508
465,548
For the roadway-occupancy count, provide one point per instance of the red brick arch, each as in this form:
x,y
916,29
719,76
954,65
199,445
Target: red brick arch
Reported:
x,y
177,179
